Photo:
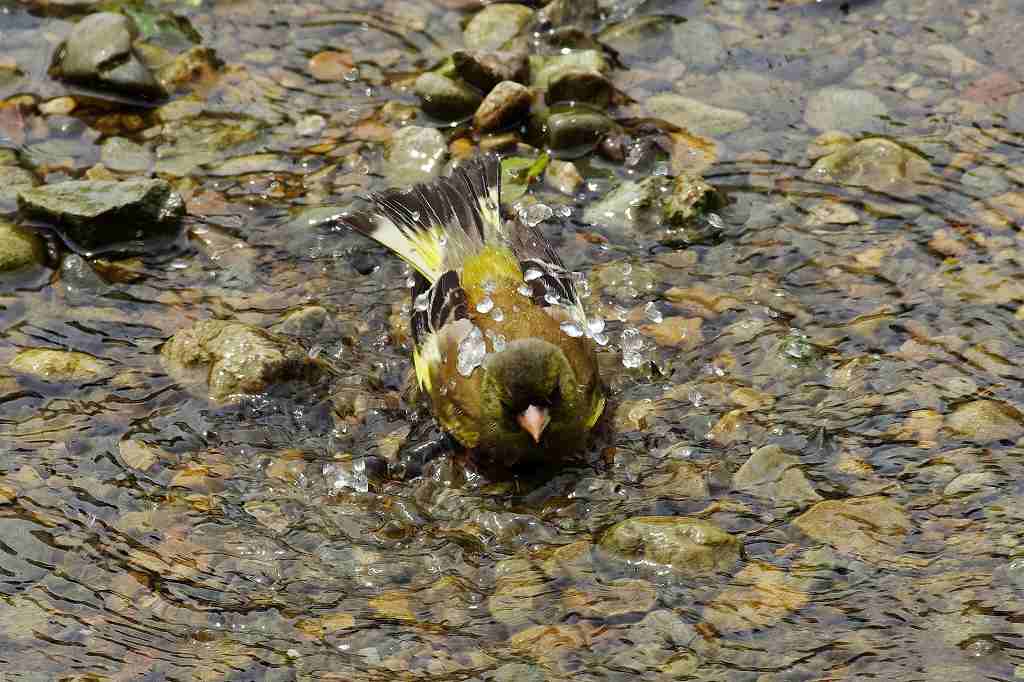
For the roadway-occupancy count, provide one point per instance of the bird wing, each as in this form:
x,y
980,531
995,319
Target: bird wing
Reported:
x,y
434,227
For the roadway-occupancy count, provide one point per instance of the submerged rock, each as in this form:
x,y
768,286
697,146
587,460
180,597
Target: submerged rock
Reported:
x,y
446,98
871,527
686,545
495,25
545,69
58,365
99,52
580,85
415,155
876,163
122,155
639,37
696,116
773,474
19,247
484,70
233,359
855,111
984,421
573,131
698,43
96,214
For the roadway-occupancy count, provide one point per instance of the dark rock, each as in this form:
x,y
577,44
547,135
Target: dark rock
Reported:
x,y
97,214
445,98
580,85
98,52
484,70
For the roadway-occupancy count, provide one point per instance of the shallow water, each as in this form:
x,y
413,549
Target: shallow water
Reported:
x,y
149,533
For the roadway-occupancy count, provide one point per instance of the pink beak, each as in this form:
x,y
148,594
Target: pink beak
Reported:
x,y
534,420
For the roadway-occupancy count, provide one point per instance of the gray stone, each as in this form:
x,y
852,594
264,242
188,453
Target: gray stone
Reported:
x,y
415,155
638,37
776,475
305,322
507,104
233,359
446,98
12,181
96,214
122,155
19,247
484,70
1015,112
698,43
697,117
78,277
99,52
971,482
854,111
687,545
495,25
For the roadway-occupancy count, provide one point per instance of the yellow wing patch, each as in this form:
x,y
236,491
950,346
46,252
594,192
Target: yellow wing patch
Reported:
x,y
494,263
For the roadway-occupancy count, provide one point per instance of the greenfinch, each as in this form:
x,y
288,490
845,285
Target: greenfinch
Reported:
x,y
502,345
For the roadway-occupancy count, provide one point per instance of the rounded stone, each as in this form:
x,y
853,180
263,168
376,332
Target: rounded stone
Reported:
x,y
506,104
495,25
445,98
330,65
19,247
687,545
844,109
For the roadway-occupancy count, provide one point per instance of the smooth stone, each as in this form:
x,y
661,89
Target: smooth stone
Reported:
x,y
579,85
122,155
445,98
233,359
495,25
58,365
484,70
331,65
873,528
984,421
761,595
415,154
188,69
971,482
577,130
687,545
99,52
19,247
96,214
543,69
698,43
507,104
563,176
697,117
856,111
771,473
78,277
305,322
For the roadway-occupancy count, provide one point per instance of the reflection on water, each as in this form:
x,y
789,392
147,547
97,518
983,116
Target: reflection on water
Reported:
x,y
831,376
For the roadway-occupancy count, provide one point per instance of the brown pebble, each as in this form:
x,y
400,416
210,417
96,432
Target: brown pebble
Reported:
x,y
330,65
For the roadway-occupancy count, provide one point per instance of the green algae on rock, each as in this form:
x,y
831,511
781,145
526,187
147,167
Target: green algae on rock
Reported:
x,y
684,544
19,247
100,214
58,365
234,359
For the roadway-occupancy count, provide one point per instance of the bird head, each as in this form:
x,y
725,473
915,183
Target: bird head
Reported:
x,y
525,388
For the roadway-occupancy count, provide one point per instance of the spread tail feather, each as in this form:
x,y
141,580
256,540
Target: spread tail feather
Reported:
x,y
434,227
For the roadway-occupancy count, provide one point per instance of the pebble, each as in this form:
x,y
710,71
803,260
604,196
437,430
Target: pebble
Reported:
x,y
330,65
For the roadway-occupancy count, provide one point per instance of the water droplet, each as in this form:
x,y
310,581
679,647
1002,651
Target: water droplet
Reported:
x,y
488,286
410,282
551,298
572,329
497,315
422,302
485,305
415,215
472,351
652,313
525,290
531,274
498,341
601,339
564,211
595,327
